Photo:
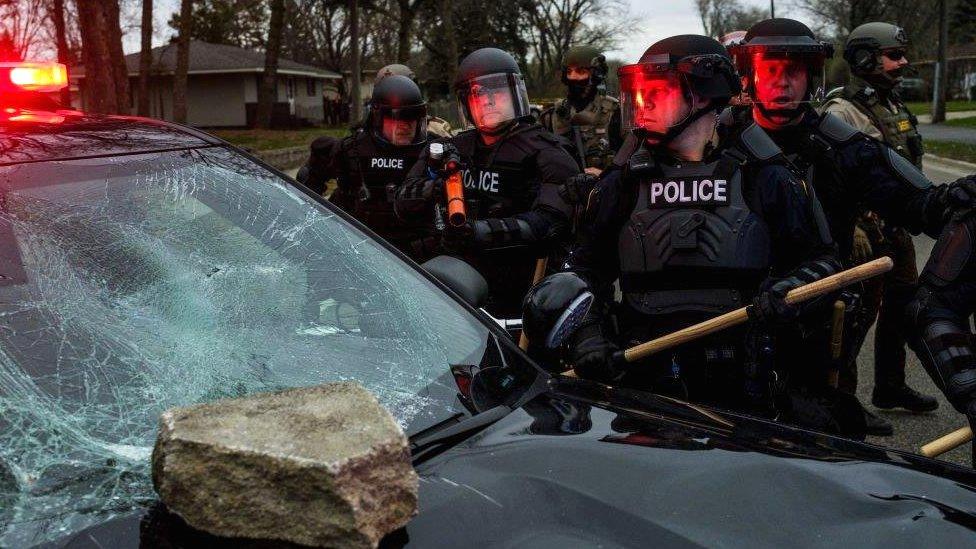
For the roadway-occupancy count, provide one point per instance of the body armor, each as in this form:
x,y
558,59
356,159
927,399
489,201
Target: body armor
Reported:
x,y
375,170
692,243
899,129
500,181
590,139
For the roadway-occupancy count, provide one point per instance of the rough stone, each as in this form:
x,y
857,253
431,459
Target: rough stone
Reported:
x,y
322,466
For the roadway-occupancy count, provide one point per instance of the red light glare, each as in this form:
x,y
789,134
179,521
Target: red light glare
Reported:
x,y
36,77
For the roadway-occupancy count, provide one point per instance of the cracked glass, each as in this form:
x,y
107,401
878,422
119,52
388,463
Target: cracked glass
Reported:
x,y
129,285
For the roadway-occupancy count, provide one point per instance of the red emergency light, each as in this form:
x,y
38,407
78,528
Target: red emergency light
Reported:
x,y
32,77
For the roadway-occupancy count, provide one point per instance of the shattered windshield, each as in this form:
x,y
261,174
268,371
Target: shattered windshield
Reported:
x,y
130,285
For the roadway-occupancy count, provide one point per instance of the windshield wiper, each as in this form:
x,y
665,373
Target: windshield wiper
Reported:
x,y
460,429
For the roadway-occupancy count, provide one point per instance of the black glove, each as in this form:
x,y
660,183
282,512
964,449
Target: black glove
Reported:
x,y
770,306
592,355
458,240
961,193
576,189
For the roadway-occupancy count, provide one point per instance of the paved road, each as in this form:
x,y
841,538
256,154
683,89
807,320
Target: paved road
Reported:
x,y
911,431
942,132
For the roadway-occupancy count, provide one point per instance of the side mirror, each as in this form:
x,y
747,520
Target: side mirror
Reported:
x,y
460,277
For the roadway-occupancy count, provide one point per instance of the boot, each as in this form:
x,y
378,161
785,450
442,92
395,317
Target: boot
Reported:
x,y
903,397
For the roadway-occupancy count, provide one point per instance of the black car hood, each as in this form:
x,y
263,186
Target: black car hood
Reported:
x,y
581,467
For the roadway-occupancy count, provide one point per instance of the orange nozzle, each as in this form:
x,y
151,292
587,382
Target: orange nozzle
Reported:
x,y
456,214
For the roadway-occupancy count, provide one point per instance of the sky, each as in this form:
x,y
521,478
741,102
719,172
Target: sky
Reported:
x,y
657,19
662,18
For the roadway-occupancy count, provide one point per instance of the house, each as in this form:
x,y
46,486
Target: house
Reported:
x,y
222,86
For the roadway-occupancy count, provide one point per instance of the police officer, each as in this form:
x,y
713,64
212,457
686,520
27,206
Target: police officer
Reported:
x,y
938,317
875,53
782,63
436,126
587,116
370,166
513,168
691,231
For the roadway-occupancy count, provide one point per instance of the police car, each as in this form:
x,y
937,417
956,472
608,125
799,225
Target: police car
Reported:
x,y
146,265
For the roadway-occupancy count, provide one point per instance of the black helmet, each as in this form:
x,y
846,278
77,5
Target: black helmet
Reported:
x,y
397,98
584,57
487,73
699,65
864,46
783,39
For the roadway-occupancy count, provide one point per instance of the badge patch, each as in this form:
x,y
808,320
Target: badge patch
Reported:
x,y
388,163
904,125
683,192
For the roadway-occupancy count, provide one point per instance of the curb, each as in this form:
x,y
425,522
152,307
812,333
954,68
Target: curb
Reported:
x,y
951,162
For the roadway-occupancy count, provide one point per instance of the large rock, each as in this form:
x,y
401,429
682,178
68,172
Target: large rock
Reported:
x,y
323,466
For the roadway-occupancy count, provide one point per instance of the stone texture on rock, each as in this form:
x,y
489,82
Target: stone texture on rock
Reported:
x,y
322,466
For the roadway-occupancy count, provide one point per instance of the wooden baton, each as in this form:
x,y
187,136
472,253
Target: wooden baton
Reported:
x,y
948,442
739,316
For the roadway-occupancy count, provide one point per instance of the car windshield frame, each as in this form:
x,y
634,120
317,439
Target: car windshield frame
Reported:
x,y
505,353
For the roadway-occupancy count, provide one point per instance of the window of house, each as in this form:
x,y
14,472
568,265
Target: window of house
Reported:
x,y
290,88
311,87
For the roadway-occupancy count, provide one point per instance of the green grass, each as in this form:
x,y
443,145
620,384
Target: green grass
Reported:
x,y
265,140
951,149
925,107
968,122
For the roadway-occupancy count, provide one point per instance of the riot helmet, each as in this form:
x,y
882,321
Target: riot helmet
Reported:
x,y
660,94
865,46
394,69
584,72
398,112
783,65
491,91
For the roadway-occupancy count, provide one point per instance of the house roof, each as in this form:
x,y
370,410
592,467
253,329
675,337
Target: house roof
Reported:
x,y
207,58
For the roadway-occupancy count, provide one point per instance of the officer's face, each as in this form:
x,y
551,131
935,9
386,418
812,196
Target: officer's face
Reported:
x,y
490,107
399,132
894,62
780,83
659,103
578,73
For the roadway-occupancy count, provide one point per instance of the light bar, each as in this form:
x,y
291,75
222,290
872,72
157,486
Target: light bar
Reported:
x,y
36,77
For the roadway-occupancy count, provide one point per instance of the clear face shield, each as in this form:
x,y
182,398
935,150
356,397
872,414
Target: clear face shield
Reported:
x,y
400,126
491,102
782,83
655,98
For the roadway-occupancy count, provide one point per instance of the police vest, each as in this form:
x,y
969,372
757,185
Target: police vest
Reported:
x,y
899,128
692,243
503,180
594,137
379,169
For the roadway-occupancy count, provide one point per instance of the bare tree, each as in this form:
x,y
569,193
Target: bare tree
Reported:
x,y
99,85
356,95
942,74
22,25
556,25
61,38
720,17
269,82
120,72
145,58
182,61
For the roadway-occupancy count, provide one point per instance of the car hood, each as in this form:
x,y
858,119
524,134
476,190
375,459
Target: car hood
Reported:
x,y
575,468
582,465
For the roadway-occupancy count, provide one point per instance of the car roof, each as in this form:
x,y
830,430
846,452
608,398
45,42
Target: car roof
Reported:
x,y
80,135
